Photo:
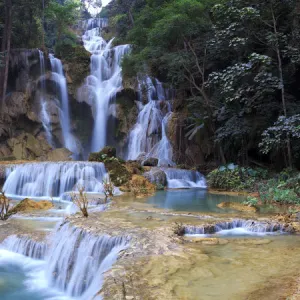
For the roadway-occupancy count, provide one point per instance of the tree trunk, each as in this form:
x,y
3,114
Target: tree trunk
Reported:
x,y
282,87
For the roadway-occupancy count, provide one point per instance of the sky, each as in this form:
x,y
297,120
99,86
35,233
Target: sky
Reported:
x,y
95,11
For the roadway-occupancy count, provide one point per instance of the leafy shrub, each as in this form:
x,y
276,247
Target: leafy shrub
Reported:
x,y
251,201
233,177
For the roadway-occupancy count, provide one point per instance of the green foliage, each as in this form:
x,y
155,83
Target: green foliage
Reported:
x,y
276,137
284,189
234,178
251,201
223,59
60,17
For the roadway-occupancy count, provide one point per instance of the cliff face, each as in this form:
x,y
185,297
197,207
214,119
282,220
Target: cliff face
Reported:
x,y
22,131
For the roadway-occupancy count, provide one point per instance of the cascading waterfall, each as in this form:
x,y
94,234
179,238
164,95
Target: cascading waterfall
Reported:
x,y
44,115
105,79
53,179
58,76
26,246
236,227
149,134
76,267
178,178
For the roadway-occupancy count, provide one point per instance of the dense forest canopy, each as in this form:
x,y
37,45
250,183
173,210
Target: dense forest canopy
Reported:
x,y
234,65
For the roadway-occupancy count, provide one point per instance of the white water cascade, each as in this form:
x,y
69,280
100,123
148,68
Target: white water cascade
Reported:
x,y
76,267
149,134
44,115
236,227
25,245
49,179
178,179
58,76
105,79
72,266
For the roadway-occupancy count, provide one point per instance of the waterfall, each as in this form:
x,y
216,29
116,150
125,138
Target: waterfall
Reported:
x,y
76,267
44,115
53,179
73,263
236,227
149,134
25,245
58,76
178,178
105,79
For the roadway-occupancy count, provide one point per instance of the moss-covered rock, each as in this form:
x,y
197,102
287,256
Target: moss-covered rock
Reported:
x,y
103,155
76,64
118,172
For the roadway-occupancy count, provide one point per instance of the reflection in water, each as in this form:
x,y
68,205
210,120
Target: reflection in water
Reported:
x,y
191,200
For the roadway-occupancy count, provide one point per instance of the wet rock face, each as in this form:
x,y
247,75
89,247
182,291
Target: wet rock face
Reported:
x,y
188,151
59,154
150,162
157,177
28,147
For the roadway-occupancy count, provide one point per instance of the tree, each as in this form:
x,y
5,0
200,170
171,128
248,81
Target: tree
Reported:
x,y
63,15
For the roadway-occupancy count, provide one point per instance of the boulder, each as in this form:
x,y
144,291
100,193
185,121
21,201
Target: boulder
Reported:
x,y
237,206
141,157
157,177
30,205
106,152
150,162
118,172
59,154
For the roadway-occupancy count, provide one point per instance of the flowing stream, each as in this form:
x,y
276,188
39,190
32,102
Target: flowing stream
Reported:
x,y
53,180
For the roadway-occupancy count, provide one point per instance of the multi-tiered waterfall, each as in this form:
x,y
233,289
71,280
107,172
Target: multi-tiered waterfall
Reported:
x,y
58,76
149,133
53,180
71,264
105,79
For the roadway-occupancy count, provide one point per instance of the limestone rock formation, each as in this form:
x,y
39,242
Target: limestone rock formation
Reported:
x,y
30,205
150,162
59,154
237,206
157,177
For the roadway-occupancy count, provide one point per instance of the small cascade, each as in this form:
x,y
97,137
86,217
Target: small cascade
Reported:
x,y
178,179
105,79
76,267
26,246
49,179
58,76
44,115
236,227
149,134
